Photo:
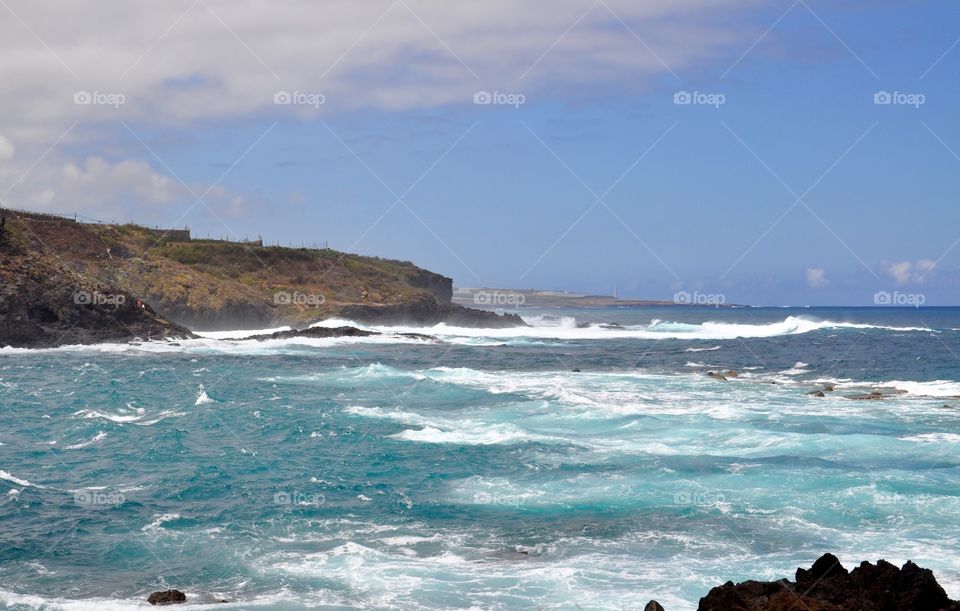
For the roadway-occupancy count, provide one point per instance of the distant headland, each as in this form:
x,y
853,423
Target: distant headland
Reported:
x,y
532,298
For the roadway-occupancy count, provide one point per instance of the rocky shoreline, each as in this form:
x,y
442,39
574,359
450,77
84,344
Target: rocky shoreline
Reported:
x,y
825,586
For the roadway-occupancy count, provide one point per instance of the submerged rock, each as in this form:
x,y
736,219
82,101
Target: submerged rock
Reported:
x,y
716,376
167,597
828,586
816,393
873,396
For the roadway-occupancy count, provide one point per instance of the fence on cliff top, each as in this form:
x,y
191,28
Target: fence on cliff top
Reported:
x,y
168,235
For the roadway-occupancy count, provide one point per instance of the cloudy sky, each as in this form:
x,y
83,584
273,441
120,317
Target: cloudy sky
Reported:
x,y
802,152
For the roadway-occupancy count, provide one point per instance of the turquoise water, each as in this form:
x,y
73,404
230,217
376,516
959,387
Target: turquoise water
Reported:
x,y
482,472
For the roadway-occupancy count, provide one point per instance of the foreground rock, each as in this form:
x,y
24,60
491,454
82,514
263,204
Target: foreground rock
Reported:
x,y
332,332
167,597
828,586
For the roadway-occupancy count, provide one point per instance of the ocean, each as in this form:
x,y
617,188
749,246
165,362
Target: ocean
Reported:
x,y
482,472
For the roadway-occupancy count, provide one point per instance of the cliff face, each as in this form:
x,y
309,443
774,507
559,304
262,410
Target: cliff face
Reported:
x,y
43,304
215,285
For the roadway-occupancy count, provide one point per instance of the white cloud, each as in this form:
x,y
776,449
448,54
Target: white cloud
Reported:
x,y
907,272
7,150
816,277
173,62
178,63
122,191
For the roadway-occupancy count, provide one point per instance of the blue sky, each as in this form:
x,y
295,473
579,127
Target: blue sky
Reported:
x,y
797,189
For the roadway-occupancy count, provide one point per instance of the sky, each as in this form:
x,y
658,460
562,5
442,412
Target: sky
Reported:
x,y
773,153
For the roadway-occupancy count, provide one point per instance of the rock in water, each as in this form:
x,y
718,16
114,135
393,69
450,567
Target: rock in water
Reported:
x,y
828,586
653,606
167,597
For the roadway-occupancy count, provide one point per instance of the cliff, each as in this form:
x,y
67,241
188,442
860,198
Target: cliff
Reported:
x,y
210,284
45,304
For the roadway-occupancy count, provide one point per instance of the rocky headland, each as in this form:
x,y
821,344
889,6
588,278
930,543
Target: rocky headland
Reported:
x,y
65,282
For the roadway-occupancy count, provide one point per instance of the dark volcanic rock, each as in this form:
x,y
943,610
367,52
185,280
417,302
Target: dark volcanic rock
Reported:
x,y
653,606
167,597
328,332
43,304
828,586
319,332
873,396
427,313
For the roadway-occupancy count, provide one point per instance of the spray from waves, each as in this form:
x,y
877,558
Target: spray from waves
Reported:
x,y
567,328
540,330
202,397
442,430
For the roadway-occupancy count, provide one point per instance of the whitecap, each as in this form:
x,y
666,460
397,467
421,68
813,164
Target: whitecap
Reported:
x,y
160,520
98,437
16,480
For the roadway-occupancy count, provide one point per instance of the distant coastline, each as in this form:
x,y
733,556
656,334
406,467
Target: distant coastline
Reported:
x,y
536,298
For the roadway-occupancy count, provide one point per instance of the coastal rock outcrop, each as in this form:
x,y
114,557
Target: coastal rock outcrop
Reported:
x,y
828,586
167,597
44,304
331,332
